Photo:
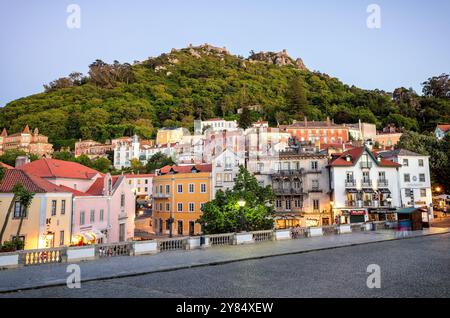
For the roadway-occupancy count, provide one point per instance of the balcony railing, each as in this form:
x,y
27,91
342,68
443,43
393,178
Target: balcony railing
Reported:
x,y
350,183
382,182
315,189
354,203
366,182
366,165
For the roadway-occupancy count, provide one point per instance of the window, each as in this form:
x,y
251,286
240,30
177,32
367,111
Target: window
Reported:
x,y
420,162
297,203
260,166
228,177
315,184
102,214
180,207
53,207
63,207
382,175
82,217
180,188
349,176
203,188
278,203
122,200
288,204
202,206
167,207
160,207
160,189
423,193
191,207
18,210
314,165
408,193
146,181
191,188
146,189
316,205
92,218
167,189
405,162
61,238
422,177
406,177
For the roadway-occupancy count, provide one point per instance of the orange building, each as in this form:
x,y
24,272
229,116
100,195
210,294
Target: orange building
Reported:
x,y
179,192
326,132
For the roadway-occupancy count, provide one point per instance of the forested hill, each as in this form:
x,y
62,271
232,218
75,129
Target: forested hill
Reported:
x,y
175,88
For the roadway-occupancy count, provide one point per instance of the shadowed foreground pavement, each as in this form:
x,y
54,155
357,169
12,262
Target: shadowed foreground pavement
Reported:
x,y
417,267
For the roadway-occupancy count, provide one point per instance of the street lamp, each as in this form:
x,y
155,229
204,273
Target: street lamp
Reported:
x,y
241,203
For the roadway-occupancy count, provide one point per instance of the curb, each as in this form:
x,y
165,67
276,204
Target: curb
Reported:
x,y
216,263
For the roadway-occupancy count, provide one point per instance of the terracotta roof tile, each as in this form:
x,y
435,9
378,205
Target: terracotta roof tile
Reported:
x,y
53,168
187,168
31,183
355,153
444,128
4,165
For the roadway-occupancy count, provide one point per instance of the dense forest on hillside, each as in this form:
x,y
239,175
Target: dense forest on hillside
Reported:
x,y
204,82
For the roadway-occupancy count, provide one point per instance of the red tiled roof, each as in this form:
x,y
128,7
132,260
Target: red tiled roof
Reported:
x,y
31,183
97,187
4,165
444,128
53,168
355,153
187,168
4,133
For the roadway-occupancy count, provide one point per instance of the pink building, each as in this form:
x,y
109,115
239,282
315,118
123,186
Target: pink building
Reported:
x,y
103,205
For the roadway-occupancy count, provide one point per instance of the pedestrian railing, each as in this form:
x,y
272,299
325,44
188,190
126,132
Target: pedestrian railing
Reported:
x,y
114,249
172,244
260,236
221,239
42,256
329,229
299,232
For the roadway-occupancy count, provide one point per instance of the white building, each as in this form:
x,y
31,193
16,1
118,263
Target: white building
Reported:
x,y
215,124
125,149
414,179
364,186
225,167
141,185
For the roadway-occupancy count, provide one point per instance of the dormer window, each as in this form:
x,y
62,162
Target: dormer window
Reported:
x,y
348,158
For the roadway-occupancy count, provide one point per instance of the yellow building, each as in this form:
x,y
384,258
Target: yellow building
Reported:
x,y
179,192
169,135
47,222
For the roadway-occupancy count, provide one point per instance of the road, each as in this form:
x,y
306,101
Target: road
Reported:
x,y
417,267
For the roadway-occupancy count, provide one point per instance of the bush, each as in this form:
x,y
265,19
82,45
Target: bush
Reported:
x,y
11,246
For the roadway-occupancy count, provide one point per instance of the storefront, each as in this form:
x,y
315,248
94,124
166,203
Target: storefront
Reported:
x,y
382,215
353,216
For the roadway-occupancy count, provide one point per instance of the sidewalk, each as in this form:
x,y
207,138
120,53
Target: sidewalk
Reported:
x,y
106,268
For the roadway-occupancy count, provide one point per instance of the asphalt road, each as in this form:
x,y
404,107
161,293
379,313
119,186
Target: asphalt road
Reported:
x,y
418,267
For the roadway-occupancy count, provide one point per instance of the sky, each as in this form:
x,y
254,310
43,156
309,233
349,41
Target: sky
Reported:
x,y
411,44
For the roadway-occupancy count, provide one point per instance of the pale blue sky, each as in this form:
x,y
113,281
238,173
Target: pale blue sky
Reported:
x,y
330,36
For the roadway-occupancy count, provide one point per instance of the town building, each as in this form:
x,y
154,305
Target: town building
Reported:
x,y
169,135
361,131
322,131
215,124
364,186
47,221
179,193
225,167
32,143
93,149
386,140
442,130
141,185
105,212
301,185
414,180
103,206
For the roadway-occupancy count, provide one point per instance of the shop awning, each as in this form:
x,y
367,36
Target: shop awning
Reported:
x,y
368,190
384,190
351,190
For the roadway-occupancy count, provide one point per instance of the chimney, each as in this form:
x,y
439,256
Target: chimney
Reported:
x,y
21,161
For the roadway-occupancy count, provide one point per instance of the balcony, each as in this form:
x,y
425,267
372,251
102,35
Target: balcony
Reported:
x,y
365,165
382,182
315,189
366,183
350,183
161,195
354,204
316,170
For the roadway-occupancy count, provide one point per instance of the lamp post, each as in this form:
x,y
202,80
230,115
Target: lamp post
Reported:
x,y
241,203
